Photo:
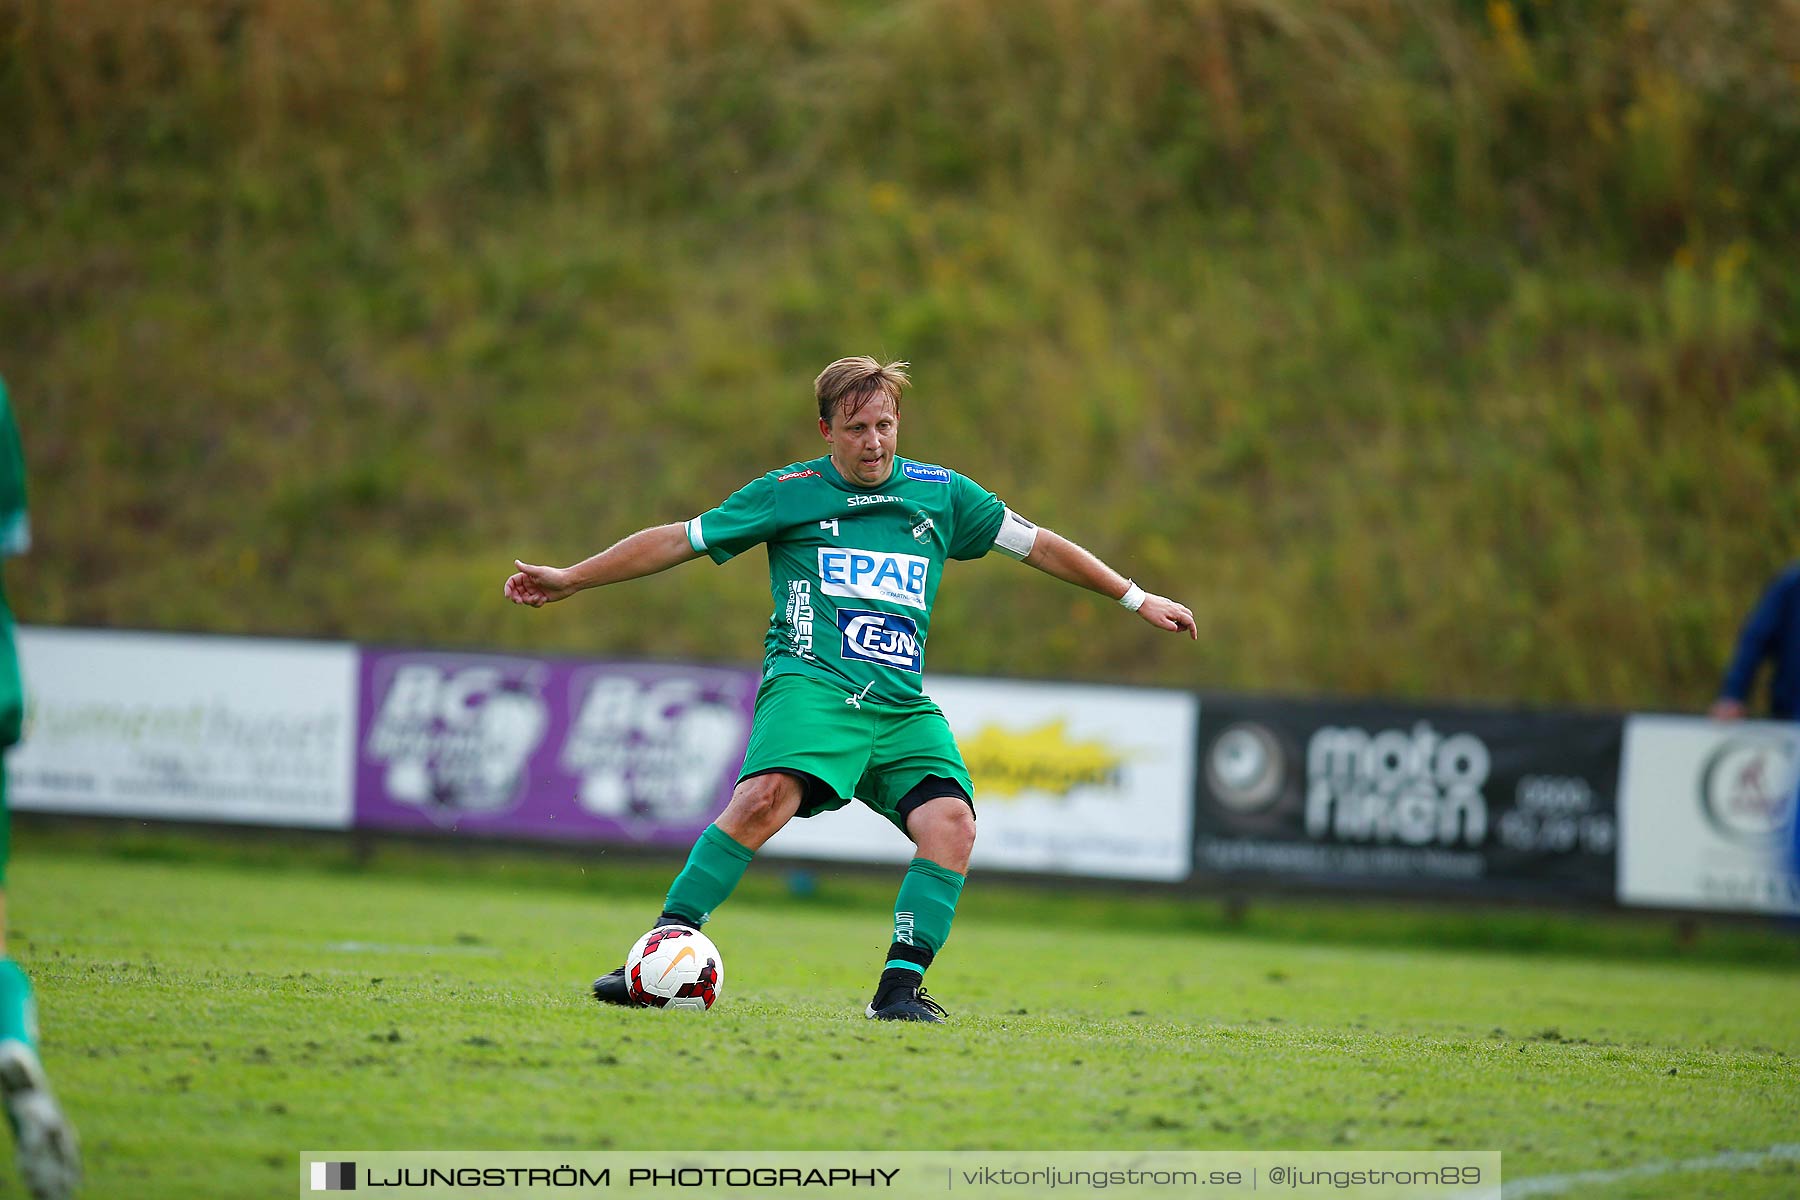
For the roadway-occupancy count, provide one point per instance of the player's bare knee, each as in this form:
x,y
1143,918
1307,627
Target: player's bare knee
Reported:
x,y
944,830
760,806
961,830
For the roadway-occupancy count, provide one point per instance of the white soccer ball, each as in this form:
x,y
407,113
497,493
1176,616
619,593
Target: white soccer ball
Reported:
x,y
675,967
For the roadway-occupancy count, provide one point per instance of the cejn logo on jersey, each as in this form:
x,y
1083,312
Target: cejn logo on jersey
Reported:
x,y
886,639
873,575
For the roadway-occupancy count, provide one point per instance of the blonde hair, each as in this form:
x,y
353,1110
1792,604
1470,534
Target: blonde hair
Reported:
x,y
850,383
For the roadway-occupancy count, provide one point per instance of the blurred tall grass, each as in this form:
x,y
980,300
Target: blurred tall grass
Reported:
x,y
1423,347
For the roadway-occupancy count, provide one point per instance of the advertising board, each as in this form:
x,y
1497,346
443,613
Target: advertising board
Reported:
x,y
1706,811
178,727
521,746
1401,797
1070,780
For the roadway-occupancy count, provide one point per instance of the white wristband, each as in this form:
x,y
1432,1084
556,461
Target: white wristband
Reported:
x,y
1133,599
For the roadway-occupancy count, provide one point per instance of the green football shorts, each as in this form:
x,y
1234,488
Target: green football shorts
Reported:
x,y
870,751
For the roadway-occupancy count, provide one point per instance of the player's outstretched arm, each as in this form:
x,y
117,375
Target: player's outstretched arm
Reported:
x,y
1056,555
643,553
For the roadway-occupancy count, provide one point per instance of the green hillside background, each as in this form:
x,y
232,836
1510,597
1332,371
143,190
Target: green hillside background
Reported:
x,y
1423,348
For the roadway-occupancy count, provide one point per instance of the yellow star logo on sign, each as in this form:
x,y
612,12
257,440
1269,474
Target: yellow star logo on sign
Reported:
x,y
1006,762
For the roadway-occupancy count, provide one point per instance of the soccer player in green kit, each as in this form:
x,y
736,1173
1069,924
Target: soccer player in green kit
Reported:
x,y
47,1153
857,542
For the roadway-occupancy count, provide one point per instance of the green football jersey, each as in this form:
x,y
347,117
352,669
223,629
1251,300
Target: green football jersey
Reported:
x,y
15,538
853,571
15,524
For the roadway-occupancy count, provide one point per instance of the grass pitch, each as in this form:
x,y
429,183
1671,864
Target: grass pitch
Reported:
x,y
206,1021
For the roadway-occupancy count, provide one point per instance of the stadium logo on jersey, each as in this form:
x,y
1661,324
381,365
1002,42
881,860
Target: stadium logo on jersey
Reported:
x,y
809,473
924,473
886,639
873,575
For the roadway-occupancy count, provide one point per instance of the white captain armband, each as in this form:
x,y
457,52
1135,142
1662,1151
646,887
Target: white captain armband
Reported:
x,y
1017,535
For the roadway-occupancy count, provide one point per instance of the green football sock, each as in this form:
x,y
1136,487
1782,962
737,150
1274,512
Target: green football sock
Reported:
x,y
18,1015
713,869
922,914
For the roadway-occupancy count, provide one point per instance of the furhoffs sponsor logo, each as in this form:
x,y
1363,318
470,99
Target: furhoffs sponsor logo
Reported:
x,y
1415,789
925,473
334,1177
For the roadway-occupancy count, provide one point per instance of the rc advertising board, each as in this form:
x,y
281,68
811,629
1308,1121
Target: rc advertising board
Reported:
x,y
1068,780
1395,797
1706,811
173,727
527,747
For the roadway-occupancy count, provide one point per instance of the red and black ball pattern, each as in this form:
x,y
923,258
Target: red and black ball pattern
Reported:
x,y
665,934
705,986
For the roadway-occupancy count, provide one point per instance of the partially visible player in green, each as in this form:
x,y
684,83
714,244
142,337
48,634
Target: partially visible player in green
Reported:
x,y
857,543
46,1142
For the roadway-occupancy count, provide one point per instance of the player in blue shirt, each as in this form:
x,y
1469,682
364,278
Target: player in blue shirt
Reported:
x,y
1772,633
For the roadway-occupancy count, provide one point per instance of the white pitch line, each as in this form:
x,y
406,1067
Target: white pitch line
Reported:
x,y
1731,1160
396,948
